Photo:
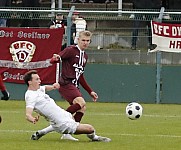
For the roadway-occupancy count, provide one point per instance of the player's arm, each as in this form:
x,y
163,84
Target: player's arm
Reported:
x,y
30,117
52,87
85,85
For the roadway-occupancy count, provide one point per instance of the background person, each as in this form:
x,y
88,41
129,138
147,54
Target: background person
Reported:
x,y
60,120
3,4
75,15
138,19
74,59
59,22
80,25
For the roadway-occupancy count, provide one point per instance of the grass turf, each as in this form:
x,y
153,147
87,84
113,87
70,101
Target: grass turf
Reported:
x,y
158,128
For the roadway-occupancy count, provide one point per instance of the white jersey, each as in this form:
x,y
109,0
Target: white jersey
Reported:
x,y
46,106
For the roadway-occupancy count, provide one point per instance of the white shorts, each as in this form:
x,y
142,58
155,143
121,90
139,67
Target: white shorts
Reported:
x,y
67,127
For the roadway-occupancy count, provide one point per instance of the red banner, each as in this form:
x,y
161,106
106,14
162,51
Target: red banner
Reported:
x,y
23,49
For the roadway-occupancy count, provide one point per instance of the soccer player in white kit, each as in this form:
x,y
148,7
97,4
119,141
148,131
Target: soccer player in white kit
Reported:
x,y
60,120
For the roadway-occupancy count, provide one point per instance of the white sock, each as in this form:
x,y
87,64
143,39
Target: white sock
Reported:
x,y
47,130
92,136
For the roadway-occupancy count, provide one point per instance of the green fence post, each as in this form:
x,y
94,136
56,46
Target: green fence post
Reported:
x,y
158,63
69,24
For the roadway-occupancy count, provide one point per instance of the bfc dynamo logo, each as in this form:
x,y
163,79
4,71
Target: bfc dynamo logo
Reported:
x,y
22,52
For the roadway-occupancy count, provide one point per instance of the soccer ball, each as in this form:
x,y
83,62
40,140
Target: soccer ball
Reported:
x,y
134,111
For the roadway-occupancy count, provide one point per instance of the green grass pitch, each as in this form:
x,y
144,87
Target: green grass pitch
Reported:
x,y
158,129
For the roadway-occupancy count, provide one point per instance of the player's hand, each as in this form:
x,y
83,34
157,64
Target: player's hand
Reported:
x,y
56,57
94,96
35,120
56,85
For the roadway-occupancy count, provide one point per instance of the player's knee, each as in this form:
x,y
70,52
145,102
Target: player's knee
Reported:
x,y
83,108
82,104
80,101
91,129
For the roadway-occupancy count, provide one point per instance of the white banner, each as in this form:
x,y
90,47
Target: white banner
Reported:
x,y
167,37
25,65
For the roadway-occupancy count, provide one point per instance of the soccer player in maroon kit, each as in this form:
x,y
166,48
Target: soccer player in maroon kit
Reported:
x,y
3,90
74,60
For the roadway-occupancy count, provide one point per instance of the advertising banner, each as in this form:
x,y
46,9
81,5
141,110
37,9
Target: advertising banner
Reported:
x,y
23,49
166,36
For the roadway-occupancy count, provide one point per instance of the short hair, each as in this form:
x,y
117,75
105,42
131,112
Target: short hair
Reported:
x,y
28,76
85,33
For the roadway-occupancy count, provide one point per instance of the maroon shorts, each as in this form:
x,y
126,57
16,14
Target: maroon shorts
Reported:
x,y
69,92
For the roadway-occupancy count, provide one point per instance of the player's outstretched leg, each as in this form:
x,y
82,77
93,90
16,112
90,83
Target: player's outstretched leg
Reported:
x,y
37,135
90,131
41,133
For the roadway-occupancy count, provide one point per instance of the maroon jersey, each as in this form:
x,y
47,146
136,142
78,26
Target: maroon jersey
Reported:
x,y
73,64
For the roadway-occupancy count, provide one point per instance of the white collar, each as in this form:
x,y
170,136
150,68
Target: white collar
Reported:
x,y
79,48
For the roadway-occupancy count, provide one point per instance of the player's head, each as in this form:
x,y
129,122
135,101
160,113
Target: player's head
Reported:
x,y
28,76
84,39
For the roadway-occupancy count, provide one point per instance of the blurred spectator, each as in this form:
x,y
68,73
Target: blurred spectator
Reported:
x,y
138,18
30,22
59,22
3,4
75,15
80,25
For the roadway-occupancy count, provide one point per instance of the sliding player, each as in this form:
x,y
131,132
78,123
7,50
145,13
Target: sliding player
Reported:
x,y
60,120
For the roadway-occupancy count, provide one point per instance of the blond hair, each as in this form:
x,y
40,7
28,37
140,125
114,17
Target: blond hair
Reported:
x,y
85,33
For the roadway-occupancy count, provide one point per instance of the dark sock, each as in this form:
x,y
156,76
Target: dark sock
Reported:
x,y
73,108
78,116
5,95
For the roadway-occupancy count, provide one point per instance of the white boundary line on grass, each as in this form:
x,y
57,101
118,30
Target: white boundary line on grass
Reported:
x,y
119,134
111,114
17,112
121,114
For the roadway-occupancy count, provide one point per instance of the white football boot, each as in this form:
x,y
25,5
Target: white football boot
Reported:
x,y
68,137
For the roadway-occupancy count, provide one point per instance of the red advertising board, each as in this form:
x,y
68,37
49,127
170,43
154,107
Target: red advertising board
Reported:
x,y
23,49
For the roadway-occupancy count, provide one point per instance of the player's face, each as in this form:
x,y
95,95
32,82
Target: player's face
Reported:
x,y
35,82
83,42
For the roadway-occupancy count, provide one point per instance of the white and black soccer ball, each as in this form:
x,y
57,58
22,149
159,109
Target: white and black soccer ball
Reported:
x,y
134,110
